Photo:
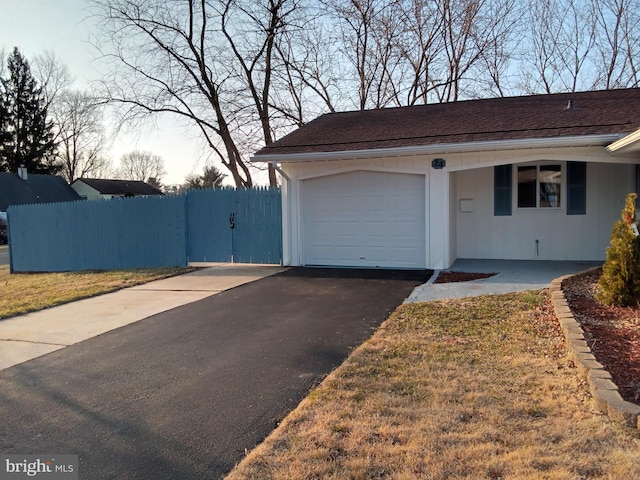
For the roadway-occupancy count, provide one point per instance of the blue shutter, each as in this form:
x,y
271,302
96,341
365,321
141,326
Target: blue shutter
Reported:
x,y
502,185
576,188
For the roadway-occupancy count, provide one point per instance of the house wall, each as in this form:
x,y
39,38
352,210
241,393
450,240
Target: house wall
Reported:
x,y
480,234
86,191
476,233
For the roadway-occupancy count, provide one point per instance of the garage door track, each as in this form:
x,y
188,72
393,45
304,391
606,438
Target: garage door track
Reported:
x,y
185,393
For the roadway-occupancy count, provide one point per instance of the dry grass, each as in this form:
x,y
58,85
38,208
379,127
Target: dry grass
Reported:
x,y
28,292
478,388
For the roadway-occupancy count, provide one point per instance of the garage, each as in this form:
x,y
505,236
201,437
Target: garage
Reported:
x,y
364,219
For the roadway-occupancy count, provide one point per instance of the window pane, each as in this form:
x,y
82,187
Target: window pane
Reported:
x,y
527,187
550,180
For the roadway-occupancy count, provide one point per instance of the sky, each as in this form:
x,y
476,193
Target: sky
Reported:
x,y
62,27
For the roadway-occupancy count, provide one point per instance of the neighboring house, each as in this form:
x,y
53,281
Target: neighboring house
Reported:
x,y
534,177
23,188
95,188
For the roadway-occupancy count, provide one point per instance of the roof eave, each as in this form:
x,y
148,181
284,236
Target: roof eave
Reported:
x,y
444,148
627,144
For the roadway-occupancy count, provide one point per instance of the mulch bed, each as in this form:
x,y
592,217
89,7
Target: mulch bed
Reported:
x,y
613,333
451,277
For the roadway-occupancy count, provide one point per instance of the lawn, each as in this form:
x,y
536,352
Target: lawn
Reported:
x,y
478,388
28,292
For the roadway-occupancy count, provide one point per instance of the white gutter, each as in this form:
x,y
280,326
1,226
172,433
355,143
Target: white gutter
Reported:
x,y
444,148
626,143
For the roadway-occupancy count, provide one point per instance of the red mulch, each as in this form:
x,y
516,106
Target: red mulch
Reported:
x,y
450,277
613,333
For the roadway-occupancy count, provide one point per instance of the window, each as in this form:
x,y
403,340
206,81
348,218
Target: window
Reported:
x,y
539,186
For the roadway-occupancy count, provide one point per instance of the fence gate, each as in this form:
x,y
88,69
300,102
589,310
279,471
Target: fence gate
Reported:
x,y
229,225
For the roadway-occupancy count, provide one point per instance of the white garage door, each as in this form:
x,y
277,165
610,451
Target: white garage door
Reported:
x,y
367,219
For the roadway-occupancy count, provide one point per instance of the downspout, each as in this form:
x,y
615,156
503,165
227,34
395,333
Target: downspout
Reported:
x,y
279,170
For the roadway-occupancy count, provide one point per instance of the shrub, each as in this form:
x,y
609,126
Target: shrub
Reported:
x,y
620,280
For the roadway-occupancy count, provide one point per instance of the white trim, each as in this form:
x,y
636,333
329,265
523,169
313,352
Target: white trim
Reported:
x,y
444,148
364,168
626,144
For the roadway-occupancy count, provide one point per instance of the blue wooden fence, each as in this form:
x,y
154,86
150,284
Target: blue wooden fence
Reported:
x,y
147,232
242,226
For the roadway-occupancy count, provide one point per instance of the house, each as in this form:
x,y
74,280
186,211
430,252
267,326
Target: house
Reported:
x,y
23,188
532,177
95,188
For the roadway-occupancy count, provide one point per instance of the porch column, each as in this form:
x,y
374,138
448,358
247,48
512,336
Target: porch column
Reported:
x,y
439,221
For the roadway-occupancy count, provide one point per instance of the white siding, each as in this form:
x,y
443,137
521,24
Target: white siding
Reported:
x,y
86,191
480,234
468,176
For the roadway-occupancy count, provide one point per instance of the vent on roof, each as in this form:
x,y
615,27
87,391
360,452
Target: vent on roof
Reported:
x,y
570,105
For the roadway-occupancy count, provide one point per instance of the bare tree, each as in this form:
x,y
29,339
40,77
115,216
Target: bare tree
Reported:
x,y
500,38
142,166
617,42
367,44
310,75
207,61
80,133
556,57
255,57
52,74
420,44
416,51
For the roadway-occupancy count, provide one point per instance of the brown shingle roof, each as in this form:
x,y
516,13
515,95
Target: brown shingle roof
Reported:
x,y
508,118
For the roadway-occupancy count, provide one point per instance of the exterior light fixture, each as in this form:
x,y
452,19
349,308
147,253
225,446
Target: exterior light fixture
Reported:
x,y
438,163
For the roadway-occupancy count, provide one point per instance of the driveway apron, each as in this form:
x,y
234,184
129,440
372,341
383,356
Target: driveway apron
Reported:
x,y
186,393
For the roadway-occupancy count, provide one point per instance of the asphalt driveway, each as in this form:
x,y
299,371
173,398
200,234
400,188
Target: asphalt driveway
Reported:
x,y
185,393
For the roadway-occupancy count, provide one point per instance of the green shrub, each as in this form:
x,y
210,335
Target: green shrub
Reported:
x,y
620,280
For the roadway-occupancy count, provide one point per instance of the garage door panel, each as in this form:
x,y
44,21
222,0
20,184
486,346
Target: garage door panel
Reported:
x,y
364,218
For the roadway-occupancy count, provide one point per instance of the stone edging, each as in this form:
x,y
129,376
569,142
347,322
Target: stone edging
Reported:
x,y
604,392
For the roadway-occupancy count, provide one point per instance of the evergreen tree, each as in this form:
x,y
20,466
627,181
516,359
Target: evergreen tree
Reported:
x,y
26,136
620,280
5,137
210,178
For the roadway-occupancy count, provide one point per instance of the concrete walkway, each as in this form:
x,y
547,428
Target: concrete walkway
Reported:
x,y
29,336
512,276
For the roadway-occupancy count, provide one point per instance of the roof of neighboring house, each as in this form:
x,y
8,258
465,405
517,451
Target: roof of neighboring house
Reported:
x,y
505,118
36,189
120,187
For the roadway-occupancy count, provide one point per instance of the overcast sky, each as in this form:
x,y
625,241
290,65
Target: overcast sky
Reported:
x,y
62,27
